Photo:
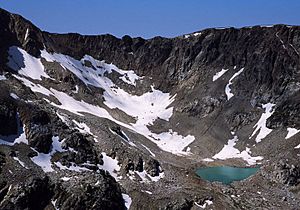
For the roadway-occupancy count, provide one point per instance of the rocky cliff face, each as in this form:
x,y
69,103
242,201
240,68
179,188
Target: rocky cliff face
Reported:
x,y
98,122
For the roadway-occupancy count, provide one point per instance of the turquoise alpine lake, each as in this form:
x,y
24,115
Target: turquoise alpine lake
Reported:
x,y
225,174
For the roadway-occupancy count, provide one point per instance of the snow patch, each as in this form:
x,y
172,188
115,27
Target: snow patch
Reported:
x,y
194,34
208,160
281,41
297,147
53,202
168,141
197,34
90,75
44,160
128,139
296,51
206,203
227,88
267,26
261,125
127,200
172,142
151,153
2,77
73,167
14,96
26,34
110,165
70,104
65,179
22,138
82,127
146,178
152,105
229,151
20,162
219,74
25,64
148,192
76,89
291,132
34,87
64,118
123,136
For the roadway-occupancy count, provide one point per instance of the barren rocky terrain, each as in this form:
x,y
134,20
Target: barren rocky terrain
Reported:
x,y
98,122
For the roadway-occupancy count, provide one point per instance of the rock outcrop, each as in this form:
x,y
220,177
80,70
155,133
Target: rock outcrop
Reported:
x,y
89,150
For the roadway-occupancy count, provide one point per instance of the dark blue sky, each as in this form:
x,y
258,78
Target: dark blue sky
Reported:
x,y
152,17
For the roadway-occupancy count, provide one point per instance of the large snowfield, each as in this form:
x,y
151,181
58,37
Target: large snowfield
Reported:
x,y
145,108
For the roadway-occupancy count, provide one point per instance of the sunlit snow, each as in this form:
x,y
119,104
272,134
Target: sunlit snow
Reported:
x,y
91,76
291,132
25,64
76,89
2,77
14,96
208,160
65,179
124,137
229,151
26,34
172,142
110,165
206,203
127,200
34,87
219,74
20,162
151,153
63,117
227,88
261,125
83,128
194,34
151,105
146,178
44,160
73,167
148,192
281,41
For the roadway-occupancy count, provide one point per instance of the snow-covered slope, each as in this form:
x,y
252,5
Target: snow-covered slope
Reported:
x,y
101,122
145,109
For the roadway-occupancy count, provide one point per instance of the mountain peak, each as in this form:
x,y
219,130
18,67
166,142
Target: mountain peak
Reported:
x,y
100,122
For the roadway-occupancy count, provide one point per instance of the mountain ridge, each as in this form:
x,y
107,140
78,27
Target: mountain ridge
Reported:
x,y
137,117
